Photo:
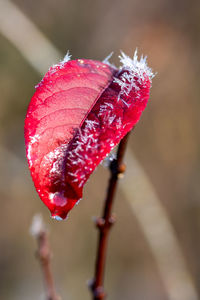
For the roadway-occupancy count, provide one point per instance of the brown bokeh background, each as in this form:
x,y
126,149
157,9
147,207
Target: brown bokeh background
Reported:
x,y
165,142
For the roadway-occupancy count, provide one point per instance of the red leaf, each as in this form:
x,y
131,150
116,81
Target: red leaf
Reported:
x,y
79,112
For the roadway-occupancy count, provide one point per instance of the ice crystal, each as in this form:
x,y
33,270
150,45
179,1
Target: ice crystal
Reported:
x,y
106,60
67,57
134,74
136,66
61,64
33,140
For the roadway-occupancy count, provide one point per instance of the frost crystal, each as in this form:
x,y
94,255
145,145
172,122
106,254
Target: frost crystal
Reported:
x,y
135,72
33,140
57,157
66,58
61,64
135,66
106,60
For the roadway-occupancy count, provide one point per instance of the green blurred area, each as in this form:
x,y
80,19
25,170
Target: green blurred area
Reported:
x,y
166,142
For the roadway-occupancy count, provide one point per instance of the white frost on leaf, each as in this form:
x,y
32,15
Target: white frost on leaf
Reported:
x,y
136,66
90,124
85,138
66,58
135,72
33,140
107,62
60,65
56,157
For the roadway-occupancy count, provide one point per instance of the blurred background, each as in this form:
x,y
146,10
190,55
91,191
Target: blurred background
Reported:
x,y
154,247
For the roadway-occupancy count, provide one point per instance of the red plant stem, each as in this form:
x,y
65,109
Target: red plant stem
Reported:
x,y
44,256
117,168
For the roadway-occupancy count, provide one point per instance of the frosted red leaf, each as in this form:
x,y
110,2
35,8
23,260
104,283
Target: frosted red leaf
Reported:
x,y
78,114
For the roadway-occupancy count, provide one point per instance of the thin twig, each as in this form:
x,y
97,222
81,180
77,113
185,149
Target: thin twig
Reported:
x,y
43,253
117,168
